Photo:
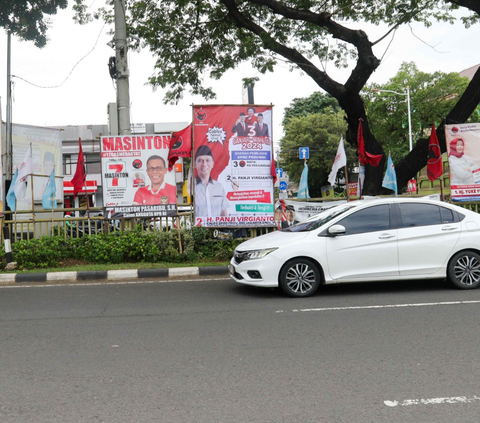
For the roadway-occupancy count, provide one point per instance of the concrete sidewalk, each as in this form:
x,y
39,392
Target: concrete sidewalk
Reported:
x,y
112,275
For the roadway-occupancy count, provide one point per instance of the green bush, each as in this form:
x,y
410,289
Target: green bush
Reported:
x,y
129,246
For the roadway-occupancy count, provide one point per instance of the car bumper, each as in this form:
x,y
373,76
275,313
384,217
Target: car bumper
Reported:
x,y
263,272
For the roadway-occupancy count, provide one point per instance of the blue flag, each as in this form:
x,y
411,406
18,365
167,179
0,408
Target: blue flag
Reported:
x,y
303,186
390,178
10,197
50,189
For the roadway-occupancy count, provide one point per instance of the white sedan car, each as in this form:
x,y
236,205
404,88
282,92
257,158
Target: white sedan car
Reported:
x,y
366,240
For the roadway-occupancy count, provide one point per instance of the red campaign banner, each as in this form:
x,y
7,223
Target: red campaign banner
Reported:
x,y
233,161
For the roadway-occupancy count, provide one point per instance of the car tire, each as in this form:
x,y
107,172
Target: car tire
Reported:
x,y
464,270
299,278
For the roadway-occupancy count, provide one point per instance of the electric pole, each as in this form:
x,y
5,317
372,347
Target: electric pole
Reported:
x,y
122,74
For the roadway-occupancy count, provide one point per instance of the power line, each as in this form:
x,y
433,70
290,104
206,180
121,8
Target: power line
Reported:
x,y
68,76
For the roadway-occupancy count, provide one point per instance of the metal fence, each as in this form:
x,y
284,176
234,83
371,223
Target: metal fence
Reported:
x,y
75,223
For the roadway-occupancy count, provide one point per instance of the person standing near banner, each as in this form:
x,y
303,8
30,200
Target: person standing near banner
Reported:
x,y
461,165
159,192
210,197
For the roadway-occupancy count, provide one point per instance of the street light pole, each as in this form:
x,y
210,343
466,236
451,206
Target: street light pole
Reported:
x,y
409,113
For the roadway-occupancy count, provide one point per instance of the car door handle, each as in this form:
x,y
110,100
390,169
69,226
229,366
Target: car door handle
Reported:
x,y
386,236
449,228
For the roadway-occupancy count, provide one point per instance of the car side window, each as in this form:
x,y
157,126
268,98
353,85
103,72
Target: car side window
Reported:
x,y
371,219
417,214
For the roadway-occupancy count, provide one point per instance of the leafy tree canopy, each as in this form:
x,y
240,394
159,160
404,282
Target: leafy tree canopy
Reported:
x,y
432,96
194,38
321,133
315,103
27,19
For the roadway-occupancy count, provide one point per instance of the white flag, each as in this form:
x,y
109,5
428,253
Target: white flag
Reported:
x,y
339,162
20,187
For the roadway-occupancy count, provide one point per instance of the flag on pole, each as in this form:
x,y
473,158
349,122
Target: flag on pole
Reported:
x,y
10,197
78,179
303,186
339,162
20,186
50,190
434,162
390,178
180,146
364,156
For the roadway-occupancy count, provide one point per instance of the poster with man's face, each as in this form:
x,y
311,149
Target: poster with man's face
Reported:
x,y
463,148
234,166
135,177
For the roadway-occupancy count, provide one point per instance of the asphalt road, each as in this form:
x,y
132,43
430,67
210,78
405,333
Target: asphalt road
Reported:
x,y
213,351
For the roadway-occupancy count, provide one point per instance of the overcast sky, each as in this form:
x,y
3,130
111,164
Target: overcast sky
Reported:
x,y
75,59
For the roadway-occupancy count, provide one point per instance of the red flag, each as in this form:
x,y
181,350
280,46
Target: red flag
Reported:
x,y
364,156
434,162
180,146
78,180
273,170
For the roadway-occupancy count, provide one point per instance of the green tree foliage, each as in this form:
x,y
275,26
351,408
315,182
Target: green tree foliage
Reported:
x,y
432,96
321,133
27,19
194,38
316,103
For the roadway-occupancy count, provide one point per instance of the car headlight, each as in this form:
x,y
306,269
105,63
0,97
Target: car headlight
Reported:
x,y
258,254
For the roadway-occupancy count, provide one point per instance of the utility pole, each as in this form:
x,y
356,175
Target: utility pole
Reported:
x,y
122,74
8,141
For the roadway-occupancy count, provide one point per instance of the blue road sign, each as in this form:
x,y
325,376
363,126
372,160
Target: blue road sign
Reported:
x,y
279,171
304,152
282,186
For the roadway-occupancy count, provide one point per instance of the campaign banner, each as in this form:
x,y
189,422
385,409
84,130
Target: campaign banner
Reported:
x,y
463,148
46,156
300,210
234,166
135,177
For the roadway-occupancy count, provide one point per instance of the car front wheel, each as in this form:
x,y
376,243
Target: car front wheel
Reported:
x,y
299,278
464,270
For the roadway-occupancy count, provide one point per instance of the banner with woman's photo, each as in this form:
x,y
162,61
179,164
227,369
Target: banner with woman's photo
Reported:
x,y
234,166
135,177
463,148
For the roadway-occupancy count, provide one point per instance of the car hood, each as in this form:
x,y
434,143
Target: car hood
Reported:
x,y
271,240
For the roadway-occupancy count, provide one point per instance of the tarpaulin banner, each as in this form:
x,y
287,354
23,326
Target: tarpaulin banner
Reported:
x,y
302,210
463,148
233,154
135,177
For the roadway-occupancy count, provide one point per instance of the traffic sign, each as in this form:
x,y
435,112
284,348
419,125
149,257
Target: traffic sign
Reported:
x,y
279,171
283,185
304,152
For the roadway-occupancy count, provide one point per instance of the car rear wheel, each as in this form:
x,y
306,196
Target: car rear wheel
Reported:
x,y
464,270
299,278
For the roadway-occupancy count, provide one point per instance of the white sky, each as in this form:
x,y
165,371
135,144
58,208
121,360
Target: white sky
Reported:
x,y
82,99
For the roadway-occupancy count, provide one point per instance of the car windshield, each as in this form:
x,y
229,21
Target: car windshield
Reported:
x,y
319,219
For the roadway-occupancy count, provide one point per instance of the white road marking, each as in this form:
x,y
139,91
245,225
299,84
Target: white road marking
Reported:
x,y
429,401
305,310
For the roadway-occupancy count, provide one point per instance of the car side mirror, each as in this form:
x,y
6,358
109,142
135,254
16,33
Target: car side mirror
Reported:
x,y
336,230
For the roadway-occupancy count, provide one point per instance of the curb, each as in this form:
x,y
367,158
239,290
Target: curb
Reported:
x,y
113,275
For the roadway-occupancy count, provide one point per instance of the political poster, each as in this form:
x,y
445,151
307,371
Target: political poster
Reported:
x,y
46,155
135,177
463,148
234,166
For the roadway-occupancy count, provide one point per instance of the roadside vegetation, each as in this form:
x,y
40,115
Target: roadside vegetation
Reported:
x,y
130,249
